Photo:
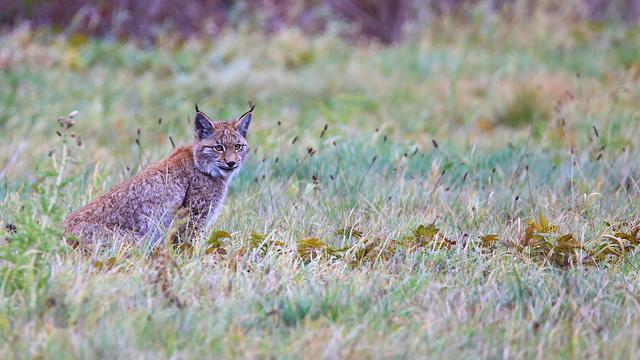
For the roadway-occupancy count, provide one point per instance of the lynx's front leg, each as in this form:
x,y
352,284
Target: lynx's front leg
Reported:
x,y
204,201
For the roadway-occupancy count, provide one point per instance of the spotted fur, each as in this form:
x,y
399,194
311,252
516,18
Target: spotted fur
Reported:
x,y
192,181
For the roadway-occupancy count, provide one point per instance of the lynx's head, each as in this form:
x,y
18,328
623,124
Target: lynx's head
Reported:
x,y
219,147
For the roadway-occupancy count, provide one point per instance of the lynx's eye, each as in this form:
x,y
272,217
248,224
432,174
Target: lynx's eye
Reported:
x,y
239,147
218,148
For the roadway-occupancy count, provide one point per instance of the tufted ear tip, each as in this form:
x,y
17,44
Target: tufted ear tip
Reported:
x,y
243,122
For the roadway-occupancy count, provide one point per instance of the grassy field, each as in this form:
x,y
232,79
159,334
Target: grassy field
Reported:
x,y
470,192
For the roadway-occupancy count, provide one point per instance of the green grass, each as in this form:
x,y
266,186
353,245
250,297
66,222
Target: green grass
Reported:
x,y
512,111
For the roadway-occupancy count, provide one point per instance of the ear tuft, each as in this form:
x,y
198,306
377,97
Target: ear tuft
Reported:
x,y
204,126
243,122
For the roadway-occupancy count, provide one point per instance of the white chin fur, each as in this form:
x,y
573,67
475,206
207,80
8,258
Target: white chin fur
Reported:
x,y
217,172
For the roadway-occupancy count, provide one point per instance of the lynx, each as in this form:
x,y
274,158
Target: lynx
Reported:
x,y
191,182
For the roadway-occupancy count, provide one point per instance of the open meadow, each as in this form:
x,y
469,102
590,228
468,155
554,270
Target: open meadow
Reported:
x,y
471,191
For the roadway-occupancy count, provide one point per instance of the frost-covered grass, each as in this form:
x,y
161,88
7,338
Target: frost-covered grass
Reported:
x,y
477,128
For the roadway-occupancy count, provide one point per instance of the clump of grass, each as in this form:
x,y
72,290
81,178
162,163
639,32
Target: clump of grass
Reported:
x,y
526,108
626,54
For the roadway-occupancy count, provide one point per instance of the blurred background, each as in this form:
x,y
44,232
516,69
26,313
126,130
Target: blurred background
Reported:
x,y
362,20
469,74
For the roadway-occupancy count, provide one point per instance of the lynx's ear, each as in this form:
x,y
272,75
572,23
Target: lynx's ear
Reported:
x,y
204,126
242,124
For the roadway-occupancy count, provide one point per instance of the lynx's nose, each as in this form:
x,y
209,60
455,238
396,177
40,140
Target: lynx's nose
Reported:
x,y
231,164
